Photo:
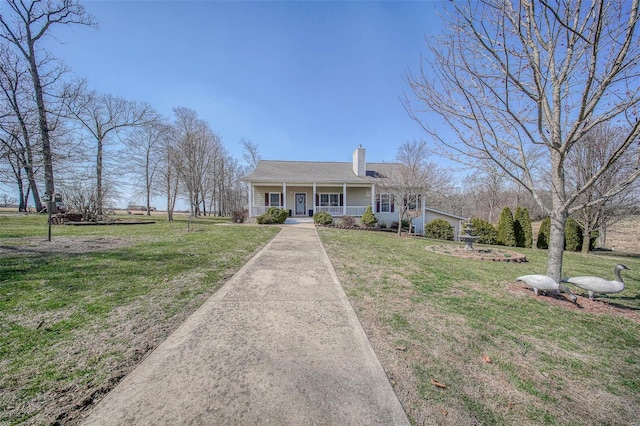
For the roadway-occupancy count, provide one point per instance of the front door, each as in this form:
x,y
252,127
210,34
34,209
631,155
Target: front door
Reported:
x,y
301,203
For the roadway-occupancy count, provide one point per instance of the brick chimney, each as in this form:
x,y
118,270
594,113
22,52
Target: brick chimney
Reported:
x,y
359,163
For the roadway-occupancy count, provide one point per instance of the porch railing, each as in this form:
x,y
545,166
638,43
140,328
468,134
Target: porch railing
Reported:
x,y
333,210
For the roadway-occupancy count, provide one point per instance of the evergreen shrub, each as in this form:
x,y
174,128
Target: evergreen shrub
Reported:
x,y
440,229
506,232
322,218
273,215
368,218
486,231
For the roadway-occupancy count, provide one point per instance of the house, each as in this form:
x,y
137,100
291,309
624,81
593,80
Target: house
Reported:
x,y
338,188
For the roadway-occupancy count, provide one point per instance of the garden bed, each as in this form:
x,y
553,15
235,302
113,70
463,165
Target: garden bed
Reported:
x,y
490,254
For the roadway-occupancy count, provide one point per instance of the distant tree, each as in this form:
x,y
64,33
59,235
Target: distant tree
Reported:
x,y
144,148
521,83
486,232
543,234
573,235
24,26
102,115
522,228
410,178
250,154
506,232
597,211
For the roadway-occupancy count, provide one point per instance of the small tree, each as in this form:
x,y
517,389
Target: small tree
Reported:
x,y
368,218
572,235
506,232
522,228
440,229
543,234
487,233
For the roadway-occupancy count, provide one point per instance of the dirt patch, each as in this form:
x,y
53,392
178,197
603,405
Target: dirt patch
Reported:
x,y
597,306
34,246
490,254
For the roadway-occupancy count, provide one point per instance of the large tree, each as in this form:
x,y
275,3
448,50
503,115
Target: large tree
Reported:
x,y
102,116
519,84
24,26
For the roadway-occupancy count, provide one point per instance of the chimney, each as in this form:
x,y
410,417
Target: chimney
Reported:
x,y
359,163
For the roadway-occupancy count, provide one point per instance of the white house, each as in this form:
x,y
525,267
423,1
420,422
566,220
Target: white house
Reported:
x,y
338,188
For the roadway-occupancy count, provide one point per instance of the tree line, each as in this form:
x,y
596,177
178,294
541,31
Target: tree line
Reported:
x,y
91,147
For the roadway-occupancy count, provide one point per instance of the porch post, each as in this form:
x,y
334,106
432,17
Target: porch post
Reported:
x,y
250,199
344,199
373,198
314,198
284,195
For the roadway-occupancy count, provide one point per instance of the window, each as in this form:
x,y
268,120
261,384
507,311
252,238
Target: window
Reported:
x,y
329,200
274,199
385,203
413,201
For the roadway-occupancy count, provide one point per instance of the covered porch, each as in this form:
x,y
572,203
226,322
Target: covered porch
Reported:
x,y
307,199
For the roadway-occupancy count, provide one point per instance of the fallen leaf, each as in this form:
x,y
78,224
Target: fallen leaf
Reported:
x,y
438,384
487,359
444,412
401,348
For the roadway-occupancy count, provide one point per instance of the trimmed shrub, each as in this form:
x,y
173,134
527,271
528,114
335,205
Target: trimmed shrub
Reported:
x,y
368,218
544,233
522,228
348,222
322,218
506,233
239,216
486,231
572,235
273,215
440,229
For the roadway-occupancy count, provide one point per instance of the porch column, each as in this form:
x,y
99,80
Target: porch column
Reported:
x,y
344,199
250,199
314,198
284,195
373,198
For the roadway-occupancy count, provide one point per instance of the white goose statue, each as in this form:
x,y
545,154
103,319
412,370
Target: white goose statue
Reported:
x,y
545,283
597,284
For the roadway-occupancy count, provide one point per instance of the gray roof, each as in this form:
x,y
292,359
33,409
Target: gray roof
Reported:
x,y
268,171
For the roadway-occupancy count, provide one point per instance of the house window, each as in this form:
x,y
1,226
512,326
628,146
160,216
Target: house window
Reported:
x,y
274,199
413,201
385,203
329,200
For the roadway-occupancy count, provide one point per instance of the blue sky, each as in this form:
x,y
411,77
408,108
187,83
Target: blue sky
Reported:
x,y
303,80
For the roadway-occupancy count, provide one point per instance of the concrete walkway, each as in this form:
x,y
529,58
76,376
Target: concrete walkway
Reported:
x,y
279,343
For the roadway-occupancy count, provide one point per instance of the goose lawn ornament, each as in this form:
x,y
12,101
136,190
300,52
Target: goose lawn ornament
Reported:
x,y
545,283
597,284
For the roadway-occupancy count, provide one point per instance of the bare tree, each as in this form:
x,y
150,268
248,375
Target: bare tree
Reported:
x,y
26,24
250,154
18,122
410,179
103,115
586,159
521,83
144,148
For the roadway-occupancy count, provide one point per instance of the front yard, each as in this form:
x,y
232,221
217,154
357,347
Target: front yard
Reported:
x,y
464,344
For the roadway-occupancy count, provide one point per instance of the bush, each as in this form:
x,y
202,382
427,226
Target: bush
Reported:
x,y
273,215
239,216
440,229
544,233
506,232
368,218
348,222
486,231
572,235
522,228
322,218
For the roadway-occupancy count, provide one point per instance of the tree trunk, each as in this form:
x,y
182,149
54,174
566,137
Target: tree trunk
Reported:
x,y
99,177
558,218
44,126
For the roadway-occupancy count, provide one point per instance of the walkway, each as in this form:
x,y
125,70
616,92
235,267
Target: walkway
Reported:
x,y
279,343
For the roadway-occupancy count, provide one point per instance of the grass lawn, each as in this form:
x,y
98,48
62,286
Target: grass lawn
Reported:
x,y
463,344
78,313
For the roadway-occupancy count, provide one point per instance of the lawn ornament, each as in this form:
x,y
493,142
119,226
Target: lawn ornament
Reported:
x,y
597,284
545,283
